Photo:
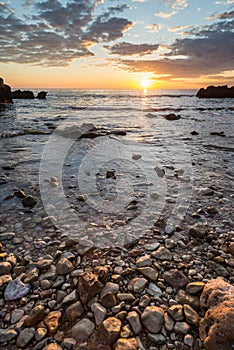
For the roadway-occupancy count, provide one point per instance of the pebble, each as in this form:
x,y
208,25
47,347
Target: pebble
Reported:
x,y
16,290
137,284
25,336
152,318
82,330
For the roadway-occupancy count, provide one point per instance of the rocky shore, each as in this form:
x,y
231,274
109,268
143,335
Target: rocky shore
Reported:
x,y
165,291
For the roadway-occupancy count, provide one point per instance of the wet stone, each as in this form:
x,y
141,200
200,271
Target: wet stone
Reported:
x,y
88,286
35,316
162,253
16,315
16,290
52,321
175,278
109,330
137,284
99,313
7,335
176,312
126,344
82,330
5,268
74,311
25,336
64,266
134,321
181,328
152,318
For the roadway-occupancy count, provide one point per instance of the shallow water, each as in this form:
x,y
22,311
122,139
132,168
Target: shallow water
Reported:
x,y
158,164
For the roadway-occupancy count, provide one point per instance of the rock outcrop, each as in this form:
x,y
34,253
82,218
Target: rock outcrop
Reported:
x,y
217,327
5,93
26,94
216,92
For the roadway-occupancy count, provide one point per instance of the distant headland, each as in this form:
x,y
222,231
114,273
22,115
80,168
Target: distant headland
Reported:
x,y
7,96
216,92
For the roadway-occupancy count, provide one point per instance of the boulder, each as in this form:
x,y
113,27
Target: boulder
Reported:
x,y
25,94
216,92
41,95
217,326
5,93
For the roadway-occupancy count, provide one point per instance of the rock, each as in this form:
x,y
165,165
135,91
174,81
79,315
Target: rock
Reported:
x,y
109,330
5,280
108,300
143,261
29,201
137,284
154,290
52,321
175,278
25,336
52,346
126,297
126,344
26,94
216,92
191,316
169,322
195,287
198,231
82,330
5,267
134,320
99,313
181,328
35,316
172,116
185,298
215,292
41,95
152,318
176,312
70,298
16,315
40,333
69,343
5,93
162,253
216,328
16,290
157,339
88,286
7,335
189,340
74,311
64,266
44,264
148,272
7,236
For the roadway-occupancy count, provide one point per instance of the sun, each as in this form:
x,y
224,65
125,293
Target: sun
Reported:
x,y
145,83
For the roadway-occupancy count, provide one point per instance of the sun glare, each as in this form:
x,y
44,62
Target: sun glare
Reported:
x,y
145,83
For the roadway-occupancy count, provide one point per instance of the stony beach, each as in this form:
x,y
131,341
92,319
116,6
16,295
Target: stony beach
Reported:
x,y
171,288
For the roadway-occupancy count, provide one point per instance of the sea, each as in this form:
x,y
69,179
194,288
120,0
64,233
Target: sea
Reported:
x,y
111,160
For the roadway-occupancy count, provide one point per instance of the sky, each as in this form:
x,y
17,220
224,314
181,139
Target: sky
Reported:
x,y
115,44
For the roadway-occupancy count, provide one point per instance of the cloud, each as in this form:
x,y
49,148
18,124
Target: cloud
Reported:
x,y
210,52
164,14
56,34
178,28
129,49
154,28
224,15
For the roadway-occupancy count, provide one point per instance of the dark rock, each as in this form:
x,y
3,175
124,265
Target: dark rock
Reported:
x,y
88,286
215,292
41,95
217,327
175,278
29,201
172,116
52,321
109,330
26,94
216,92
152,318
5,93
82,330
35,316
